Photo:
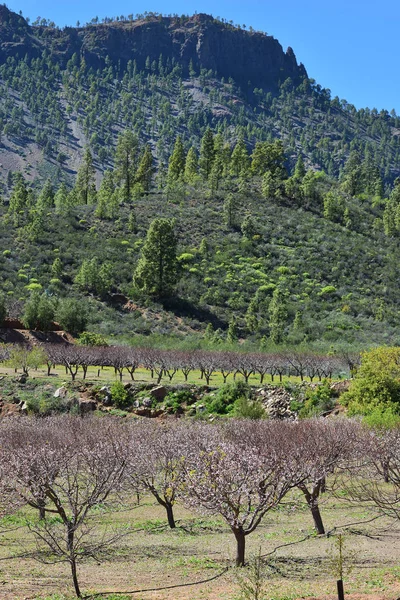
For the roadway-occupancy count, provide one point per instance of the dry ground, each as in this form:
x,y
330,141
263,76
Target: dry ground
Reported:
x,y
154,557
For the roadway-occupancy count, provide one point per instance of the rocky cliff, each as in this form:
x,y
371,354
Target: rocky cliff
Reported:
x,y
200,40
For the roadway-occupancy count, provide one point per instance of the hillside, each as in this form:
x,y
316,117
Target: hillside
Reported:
x,y
285,202
64,88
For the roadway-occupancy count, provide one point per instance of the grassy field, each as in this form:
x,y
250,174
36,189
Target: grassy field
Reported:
x,y
142,375
177,564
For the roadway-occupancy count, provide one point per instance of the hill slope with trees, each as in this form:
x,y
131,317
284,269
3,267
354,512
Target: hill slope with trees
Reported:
x,y
166,194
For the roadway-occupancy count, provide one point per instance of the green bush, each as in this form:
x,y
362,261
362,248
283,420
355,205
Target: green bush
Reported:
x,y
377,383
88,338
224,400
119,394
43,405
248,409
175,400
382,419
318,401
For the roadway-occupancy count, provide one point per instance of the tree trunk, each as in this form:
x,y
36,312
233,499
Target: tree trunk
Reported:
x,y
170,515
312,501
319,526
42,509
72,561
240,546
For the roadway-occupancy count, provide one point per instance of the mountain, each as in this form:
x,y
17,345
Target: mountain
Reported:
x,y
285,200
64,88
200,40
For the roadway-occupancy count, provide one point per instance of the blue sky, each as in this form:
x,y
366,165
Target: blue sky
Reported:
x,y
350,47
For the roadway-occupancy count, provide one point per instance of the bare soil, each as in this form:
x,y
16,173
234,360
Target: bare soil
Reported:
x,y
197,557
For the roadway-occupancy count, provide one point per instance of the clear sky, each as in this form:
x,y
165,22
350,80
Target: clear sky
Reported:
x,y
351,47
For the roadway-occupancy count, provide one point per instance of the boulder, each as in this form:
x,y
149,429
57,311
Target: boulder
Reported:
x,y
147,402
87,406
159,393
61,392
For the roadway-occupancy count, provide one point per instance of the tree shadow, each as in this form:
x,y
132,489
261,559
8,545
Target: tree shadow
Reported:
x,y
183,308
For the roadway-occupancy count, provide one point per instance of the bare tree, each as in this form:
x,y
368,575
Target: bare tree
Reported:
x,y
377,470
241,472
326,447
158,465
74,464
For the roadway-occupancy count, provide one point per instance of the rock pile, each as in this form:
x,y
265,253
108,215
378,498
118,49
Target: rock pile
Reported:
x,y
276,401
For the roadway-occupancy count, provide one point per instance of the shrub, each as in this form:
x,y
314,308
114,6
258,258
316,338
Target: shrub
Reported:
x,y
224,400
119,394
317,402
248,409
88,338
174,400
377,383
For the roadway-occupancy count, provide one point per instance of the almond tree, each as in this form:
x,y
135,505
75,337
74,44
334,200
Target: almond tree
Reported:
x,y
74,464
325,447
378,471
159,458
241,472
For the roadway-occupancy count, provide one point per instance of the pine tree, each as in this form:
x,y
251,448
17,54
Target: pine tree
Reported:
x,y
230,211
46,196
106,197
19,196
132,222
60,199
191,166
126,155
240,162
299,170
233,334
278,315
248,227
207,153
144,173
85,186
176,165
157,269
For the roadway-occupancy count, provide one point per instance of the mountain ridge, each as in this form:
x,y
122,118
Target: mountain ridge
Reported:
x,y
199,39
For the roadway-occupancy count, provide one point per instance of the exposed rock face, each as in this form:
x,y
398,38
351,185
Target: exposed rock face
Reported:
x,y
244,56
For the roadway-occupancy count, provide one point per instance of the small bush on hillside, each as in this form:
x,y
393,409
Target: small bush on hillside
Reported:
x,y
224,400
175,400
248,409
318,401
119,394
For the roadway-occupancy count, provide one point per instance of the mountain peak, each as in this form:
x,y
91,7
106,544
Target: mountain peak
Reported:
x,y
200,40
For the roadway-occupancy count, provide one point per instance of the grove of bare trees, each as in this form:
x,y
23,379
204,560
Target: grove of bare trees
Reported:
x,y
239,470
166,363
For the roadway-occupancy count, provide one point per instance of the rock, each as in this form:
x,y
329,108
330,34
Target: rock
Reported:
x,y
147,402
136,404
200,408
24,409
87,406
21,378
339,387
159,393
104,389
107,400
61,392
